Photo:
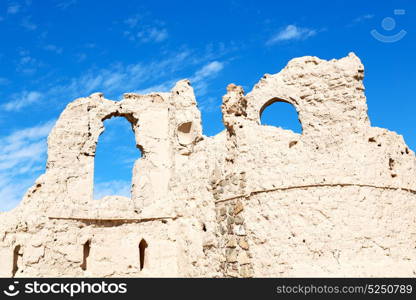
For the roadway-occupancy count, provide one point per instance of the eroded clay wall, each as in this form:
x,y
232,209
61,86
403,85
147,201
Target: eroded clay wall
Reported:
x,y
254,200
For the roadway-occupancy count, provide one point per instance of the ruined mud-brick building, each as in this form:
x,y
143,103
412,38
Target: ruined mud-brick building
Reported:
x,y
337,200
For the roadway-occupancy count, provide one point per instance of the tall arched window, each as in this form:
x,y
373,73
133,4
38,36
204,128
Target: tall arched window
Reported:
x,y
16,260
280,113
142,252
86,252
114,159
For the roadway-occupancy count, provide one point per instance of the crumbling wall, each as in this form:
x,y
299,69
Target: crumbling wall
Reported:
x,y
254,200
317,203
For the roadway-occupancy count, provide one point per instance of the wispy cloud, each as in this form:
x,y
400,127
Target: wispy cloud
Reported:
x,y
28,24
207,71
114,80
120,78
200,79
144,30
209,104
144,77
65,4
360,19
291,32
133,21
363,18
153,34
22,100
22,159
13,8
27,64
112,188
53,48
162,87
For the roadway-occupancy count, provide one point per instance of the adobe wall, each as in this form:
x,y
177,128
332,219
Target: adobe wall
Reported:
x,y
254,200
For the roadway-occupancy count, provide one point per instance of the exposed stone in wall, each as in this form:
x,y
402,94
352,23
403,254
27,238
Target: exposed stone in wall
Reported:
x,y
232,237
254,200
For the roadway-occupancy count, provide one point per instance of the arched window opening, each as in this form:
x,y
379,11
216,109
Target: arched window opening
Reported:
x,y
280,113
16,260
86,253
115,155
142,249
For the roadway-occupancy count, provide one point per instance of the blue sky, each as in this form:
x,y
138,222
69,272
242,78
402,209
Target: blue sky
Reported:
x,y
53,51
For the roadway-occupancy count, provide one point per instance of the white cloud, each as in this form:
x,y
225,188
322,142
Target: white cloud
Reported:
x,y
132,21
26,134
12,193
28,24
13,9
144,30
112,188
53,48
291,32
26,60
120,78
144,77
209,70
209,105
22,158
153,34
360,19
201,78
65,4
21,100
162,87
363,18
27,64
